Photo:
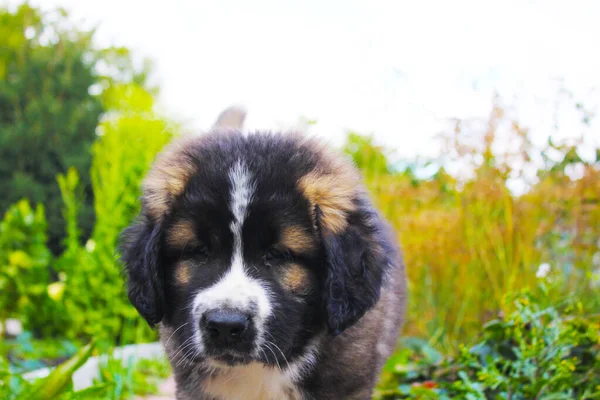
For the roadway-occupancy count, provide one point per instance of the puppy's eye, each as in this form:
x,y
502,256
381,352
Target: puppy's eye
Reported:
x,y
274,256
201,250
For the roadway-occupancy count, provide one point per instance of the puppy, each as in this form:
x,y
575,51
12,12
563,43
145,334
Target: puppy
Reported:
x,y
268,270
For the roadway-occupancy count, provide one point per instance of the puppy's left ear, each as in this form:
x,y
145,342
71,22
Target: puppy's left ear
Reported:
x,y
140,252
356,260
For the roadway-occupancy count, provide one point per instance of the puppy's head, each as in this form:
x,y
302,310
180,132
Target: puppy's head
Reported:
x,y
249,246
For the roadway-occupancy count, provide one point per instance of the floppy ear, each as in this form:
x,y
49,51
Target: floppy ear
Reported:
x,y
140,254
356,259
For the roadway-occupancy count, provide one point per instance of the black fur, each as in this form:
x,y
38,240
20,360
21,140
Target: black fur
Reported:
x,y
354,272
141,256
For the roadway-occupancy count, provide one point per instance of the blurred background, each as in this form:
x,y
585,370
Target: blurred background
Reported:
x,y
474,123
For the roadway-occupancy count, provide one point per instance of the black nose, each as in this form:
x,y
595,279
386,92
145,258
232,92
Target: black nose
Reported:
x,y
226,324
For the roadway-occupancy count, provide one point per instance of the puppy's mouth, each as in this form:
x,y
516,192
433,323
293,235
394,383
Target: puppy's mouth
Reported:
x,y
231,359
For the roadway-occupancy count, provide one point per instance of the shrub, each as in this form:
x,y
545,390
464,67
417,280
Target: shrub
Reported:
x,y
545,349
94,296
24,267
50,72
468,238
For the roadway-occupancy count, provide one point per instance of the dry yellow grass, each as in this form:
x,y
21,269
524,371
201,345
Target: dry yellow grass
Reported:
x,y
467,243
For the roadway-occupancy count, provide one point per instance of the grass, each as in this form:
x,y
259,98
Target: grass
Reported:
x,y
469,241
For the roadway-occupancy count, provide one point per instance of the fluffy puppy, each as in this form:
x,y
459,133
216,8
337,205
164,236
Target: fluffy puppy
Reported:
x,y
266,266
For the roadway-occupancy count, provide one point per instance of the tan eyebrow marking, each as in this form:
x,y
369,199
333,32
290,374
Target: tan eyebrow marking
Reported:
x,y
182,233
183,273
296,279
297,239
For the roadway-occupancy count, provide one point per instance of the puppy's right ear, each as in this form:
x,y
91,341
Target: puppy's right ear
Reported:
x,y
140,252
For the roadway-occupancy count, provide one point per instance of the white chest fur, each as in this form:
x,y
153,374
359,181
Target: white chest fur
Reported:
x,y
251,382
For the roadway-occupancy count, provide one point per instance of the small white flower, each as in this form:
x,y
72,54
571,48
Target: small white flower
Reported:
x,y
13,327
543,271
90,246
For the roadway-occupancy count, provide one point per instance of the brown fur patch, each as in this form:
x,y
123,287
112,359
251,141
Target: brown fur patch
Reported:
x,y
183,273
181,234
168,176
297,239
333,194
333,186
296,279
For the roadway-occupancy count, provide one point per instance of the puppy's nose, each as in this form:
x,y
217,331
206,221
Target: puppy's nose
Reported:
x,y
229,325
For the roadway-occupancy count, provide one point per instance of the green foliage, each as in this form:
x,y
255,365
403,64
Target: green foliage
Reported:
x,y
124,379
545,349
468,239
118,379
94,295
371,159
26,353
24,261
51,88
57,383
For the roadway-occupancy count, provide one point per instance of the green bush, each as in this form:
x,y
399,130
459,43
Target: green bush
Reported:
x,y
546,349
24,267
94,295
49,106
124,379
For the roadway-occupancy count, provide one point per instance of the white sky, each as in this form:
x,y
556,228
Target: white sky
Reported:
x,y
396,69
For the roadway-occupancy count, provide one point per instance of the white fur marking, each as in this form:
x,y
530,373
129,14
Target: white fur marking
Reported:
x,y
257,381
236,289
298,368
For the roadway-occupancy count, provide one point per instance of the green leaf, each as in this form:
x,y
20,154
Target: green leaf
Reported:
x,y
60,378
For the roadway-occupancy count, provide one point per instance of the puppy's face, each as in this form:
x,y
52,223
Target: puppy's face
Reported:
x,y
248,247
241,267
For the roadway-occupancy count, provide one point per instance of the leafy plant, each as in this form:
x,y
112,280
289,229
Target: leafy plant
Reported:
x,y
542,350
24,262
124,379
57,383
52,79
27,353
465,231
94,297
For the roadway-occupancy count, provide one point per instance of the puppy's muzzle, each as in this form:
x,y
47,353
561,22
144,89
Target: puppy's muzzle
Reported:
x,y
228,330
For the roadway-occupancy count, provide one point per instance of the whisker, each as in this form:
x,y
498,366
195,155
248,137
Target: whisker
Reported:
x,y
274,355
186,355
169,339
283,355
183,249
191,359
264,354
277,347
182,346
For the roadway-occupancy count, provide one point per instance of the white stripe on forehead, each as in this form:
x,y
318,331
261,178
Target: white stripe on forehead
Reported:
x,y
236,288
242,190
